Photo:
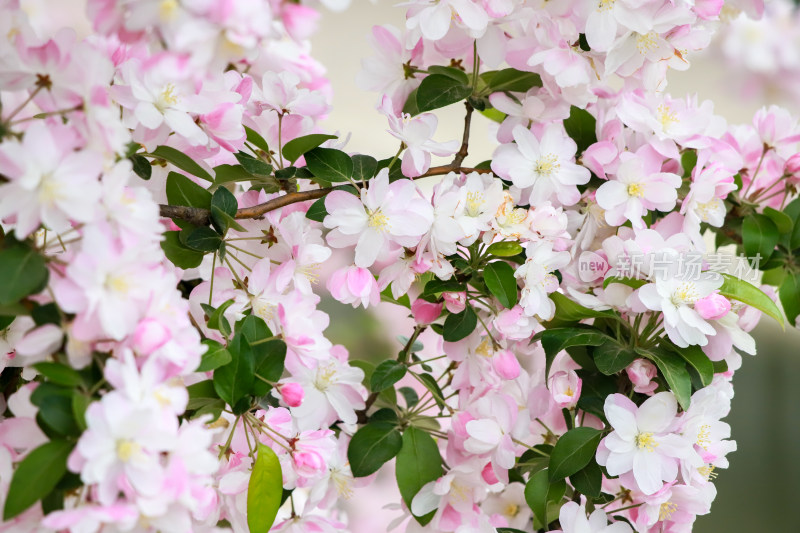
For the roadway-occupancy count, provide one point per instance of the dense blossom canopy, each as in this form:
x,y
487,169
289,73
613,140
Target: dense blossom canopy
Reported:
x,y
173,213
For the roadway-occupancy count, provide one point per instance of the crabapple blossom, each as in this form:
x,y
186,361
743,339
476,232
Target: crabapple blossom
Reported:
x,y
573,519
642,442
386,215
544,165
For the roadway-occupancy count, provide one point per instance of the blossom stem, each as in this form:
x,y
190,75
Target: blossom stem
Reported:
x,y
230,439
211,285
755,173
426,360
403,356
28,100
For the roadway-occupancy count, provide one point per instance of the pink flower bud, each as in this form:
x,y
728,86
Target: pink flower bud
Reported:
x,y
793,166
292,394
712,307
488,474
455,301
150,335
505,364
309,463
425,312
641,373
565,388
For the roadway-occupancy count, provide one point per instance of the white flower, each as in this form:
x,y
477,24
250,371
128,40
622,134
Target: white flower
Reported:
x,y
539,279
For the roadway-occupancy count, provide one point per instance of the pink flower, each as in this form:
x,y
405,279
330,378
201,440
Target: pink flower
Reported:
x,y
386,215
425,312
639,186
416,133
642,442
545,165
49,182
505,363
712,307
292,394
565,387
354,285
641,373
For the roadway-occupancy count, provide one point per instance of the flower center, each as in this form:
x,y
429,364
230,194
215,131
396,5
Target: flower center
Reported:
x,y
324,377
636,189
605,5
647,42
117,283
167,97
484,348
667,116
127,449
707,472
343,483
645,441
686,293
379,221
167,9
547,165
511,510
666,510
310,271
704,436
474,202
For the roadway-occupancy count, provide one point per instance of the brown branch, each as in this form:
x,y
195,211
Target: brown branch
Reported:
x,y
462,152
202,217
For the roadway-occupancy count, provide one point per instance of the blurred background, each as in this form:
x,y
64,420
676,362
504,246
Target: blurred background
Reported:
x,y
760,491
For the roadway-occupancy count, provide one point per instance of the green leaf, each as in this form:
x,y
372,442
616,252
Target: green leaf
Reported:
x,y
759,236
410,395
419,462
372,446
204,239
297,147
182,161
80,402
364,167
673,368
55,409
183,191
430,383
581,127
438,90
23,272
458,326
387,374
36,476
556,339
437,286
573,451
216,317
539,492
410,107
789,293
225,201
329,164
264,491
782,221
216,356
451,72
222,222
317,210
505,249
738,289
511,80
180,255
570,311
500,280
688,162
59,374
588,480
254,166
234,380
270,360
634,283
141,166
255,138
612,357
698,360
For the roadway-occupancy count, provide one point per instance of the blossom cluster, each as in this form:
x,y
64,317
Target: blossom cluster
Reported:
x,y
173,216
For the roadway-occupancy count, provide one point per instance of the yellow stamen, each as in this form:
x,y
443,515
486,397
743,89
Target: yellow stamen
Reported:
x,y
645,441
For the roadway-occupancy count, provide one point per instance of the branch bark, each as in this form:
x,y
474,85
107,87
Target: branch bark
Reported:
x,y
202,217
